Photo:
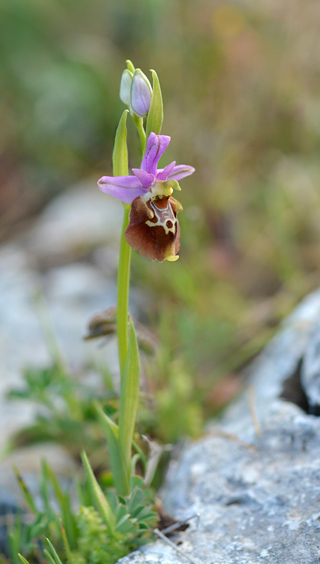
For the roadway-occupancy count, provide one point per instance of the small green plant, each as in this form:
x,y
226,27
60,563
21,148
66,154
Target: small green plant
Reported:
x,y
102,529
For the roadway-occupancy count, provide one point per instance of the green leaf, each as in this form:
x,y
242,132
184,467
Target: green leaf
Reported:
x,y
44,489
141,455
129,398
119,471
64,502
22,559
48,474
120,150
134,461
25,491
155,115
99,497
49,557
136,499
66,543
125,526
53,553
138,512
136,481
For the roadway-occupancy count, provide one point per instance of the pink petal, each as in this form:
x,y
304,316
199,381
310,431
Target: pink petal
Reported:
x,y
144,177
156,146
163,173
181,171
124,188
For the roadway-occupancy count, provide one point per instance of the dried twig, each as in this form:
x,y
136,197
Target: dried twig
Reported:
x,y
179,524
231,437
178,551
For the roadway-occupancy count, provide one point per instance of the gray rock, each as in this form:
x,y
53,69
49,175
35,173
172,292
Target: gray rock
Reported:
x,y
254,479
73,294
310,371
70,226
75,221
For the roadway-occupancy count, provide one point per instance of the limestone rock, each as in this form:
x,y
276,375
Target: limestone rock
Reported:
x,y
76,221
70,226
310,371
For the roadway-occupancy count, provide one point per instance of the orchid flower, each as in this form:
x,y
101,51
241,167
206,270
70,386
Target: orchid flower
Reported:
x,y
153,228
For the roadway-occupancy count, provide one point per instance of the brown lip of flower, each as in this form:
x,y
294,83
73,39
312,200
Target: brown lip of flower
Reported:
x,y
154,229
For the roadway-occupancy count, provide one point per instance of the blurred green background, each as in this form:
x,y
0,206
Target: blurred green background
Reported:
x,y
240,82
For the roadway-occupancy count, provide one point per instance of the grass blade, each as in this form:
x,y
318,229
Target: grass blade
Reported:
x,y
119,472
99,497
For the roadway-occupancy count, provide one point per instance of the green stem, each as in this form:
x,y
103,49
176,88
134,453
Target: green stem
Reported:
x,y
127,349
142,134
129,399
123,292
125,256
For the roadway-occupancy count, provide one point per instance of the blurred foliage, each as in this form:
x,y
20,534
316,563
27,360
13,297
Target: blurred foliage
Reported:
x,y
240,81
66,413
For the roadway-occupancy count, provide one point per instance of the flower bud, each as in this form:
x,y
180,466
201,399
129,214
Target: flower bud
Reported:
x,y
125,86
141,93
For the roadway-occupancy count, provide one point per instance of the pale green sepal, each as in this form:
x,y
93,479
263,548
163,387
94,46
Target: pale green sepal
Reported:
x,y
125,87
130,66
100,499
119,470
155,115
129,398
120,151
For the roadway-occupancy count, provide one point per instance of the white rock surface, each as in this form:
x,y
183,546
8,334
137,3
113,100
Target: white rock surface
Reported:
x,y
70,227
310,370
79,219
